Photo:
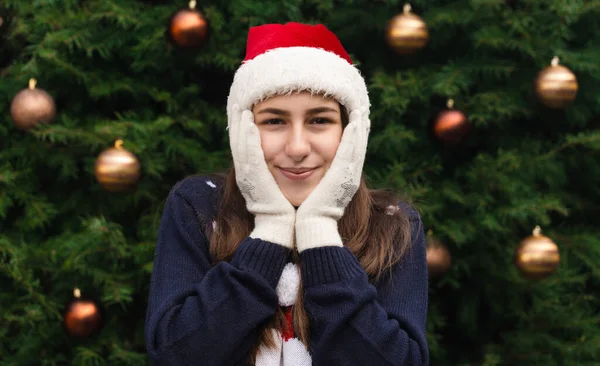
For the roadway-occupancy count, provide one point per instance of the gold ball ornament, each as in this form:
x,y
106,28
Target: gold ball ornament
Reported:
x,y
556,86
451,126
438,256
116,169
406,33
537,256
82,317
188,28
32,106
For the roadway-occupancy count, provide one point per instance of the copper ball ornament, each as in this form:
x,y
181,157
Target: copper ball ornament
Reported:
x,y
406,33
188,28
116,169
82,317
451,126
438,256
556,86
537,256
32,106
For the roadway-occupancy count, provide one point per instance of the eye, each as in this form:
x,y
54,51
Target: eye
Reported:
x,y
320,121
272,121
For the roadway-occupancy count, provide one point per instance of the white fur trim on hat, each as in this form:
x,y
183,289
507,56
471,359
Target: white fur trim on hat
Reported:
x,y
291,69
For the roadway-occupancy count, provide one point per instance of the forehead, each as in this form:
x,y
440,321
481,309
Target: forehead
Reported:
x,y
298,100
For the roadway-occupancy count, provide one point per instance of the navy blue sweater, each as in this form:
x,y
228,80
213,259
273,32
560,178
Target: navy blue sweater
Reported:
x,y
200,314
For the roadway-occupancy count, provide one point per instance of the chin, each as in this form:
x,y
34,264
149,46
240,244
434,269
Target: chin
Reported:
x,y
295,198
297,195
296,201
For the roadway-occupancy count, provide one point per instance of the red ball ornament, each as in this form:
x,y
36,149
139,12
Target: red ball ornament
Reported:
x,y
451,126
82,317
438,256
188,28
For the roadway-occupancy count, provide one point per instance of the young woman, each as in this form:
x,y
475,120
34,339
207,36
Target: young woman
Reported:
x,y
290,259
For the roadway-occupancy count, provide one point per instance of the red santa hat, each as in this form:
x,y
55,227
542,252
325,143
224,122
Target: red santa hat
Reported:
x,y
285,58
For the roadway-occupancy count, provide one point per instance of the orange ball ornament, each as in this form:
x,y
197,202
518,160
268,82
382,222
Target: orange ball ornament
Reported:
x,y
556,86
117,169
438,256
82,317
537,256
32,106
188,28
406,33
451,126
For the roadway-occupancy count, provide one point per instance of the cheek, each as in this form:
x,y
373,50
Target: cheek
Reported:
x,y
269,145
329,144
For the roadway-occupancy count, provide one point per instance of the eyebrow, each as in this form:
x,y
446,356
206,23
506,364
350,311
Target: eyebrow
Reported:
x,y
309,112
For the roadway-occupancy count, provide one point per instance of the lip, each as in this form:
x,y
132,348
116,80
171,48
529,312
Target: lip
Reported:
x,y
297,176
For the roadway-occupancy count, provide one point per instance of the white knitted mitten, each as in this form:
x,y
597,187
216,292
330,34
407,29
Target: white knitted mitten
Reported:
x,y
317,216
274,216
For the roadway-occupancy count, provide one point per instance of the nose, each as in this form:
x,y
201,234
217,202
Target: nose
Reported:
x,y
298,145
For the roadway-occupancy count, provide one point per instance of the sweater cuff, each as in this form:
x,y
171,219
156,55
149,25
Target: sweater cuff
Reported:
x,y
326,265
262,257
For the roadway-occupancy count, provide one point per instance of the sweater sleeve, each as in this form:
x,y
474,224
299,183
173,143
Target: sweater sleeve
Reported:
x,y
203,314
356,323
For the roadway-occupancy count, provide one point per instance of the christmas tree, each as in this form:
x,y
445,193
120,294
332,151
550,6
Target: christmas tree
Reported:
x,y
116,76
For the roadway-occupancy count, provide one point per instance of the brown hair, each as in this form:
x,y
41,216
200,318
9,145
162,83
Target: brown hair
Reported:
x,y
377,235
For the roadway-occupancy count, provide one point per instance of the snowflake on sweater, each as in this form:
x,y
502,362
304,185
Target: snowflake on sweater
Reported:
x,y
289,350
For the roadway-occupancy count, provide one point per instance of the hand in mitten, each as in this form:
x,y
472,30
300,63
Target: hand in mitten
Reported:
x,y
274,216
317,216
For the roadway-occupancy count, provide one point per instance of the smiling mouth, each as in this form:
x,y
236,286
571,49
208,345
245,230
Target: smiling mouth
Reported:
x,y
298,174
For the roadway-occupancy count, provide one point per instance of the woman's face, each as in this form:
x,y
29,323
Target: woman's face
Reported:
x,y
300,134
